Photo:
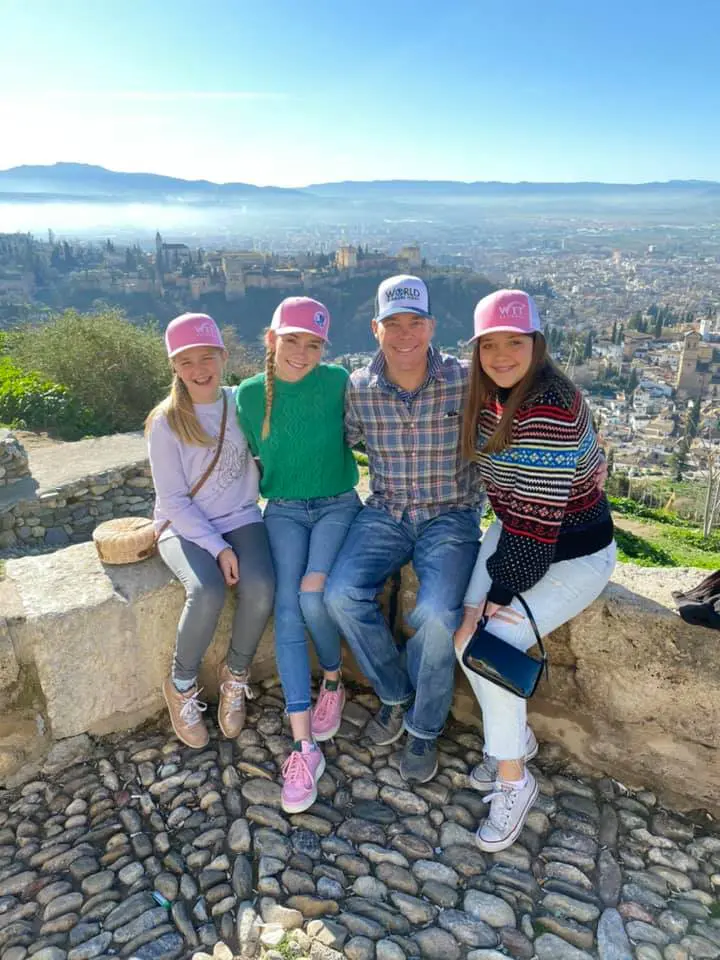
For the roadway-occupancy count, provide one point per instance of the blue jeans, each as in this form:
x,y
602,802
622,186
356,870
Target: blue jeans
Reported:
x,y
305,537
443,552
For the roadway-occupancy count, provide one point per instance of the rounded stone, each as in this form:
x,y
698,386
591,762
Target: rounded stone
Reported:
x,y
490,909
360,948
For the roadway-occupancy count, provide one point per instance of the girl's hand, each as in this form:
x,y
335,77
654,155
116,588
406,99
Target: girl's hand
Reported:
x,y
228,563
467,627
506,614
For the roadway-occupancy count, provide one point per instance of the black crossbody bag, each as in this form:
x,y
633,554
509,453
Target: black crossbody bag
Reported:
x,y
514,670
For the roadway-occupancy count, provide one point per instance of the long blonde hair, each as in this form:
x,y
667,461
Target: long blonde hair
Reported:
x,y
269,382
482,388
179,411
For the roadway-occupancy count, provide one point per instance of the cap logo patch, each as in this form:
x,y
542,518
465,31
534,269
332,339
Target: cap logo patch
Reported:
x,y
204,329
319,319
402,293
516,310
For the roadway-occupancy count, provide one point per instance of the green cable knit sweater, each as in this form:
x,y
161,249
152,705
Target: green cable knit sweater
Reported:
x,y
305,456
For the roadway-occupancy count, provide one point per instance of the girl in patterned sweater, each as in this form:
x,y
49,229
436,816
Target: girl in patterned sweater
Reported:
x,y
530,431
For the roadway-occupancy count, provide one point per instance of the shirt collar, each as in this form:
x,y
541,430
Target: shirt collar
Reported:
x,y
378,365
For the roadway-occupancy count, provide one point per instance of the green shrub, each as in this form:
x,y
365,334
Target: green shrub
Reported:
x,y
31,402
634,549
633,508
114,369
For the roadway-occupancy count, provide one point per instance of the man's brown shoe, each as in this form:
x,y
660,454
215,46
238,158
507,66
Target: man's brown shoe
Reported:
x,y
186,715
234,689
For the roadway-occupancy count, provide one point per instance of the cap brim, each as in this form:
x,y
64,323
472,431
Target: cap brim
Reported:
x,y
395,310
525,333
189,346
281,331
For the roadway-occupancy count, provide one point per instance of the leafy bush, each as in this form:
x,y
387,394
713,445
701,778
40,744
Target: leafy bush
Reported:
x,y
633,508
634,549
114,369
31,402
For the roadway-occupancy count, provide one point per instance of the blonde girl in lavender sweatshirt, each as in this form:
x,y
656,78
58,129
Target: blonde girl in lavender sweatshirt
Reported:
x,y
213,540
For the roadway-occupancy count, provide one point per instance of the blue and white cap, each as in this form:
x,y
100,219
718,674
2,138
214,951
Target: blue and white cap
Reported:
x,y
402,294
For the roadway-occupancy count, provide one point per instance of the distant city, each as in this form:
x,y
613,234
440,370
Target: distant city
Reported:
x,y
628,281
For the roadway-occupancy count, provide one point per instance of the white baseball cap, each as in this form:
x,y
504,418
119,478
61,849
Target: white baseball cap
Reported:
x,y
402,294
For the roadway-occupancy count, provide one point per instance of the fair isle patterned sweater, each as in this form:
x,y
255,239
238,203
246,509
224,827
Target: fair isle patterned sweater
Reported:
x,y
543,487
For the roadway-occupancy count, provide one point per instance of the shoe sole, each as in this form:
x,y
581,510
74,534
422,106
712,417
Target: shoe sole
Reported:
x,y
417,779
497,846
181,738
328,734
486,786
230,736
302,807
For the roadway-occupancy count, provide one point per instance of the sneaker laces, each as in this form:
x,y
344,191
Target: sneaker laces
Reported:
x,y
326,702
501,800
236,690
192,710
296,768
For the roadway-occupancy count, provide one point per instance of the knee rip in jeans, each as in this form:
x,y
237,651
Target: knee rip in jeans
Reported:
x,y
313,583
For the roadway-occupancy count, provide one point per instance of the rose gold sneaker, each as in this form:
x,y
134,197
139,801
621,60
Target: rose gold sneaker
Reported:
x,y
186,715
234,690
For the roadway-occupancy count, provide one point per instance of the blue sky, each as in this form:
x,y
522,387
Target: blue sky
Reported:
x,y
298,91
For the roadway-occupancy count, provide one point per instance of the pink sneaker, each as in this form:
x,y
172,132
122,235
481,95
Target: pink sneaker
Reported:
x,y
326,716
301,772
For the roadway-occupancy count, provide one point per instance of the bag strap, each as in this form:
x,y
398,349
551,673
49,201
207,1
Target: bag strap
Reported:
x,y
210,467
533,624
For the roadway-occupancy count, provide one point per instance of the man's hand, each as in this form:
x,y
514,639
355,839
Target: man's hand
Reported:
x,y
228,563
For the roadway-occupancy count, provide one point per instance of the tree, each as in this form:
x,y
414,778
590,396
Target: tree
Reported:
x,y
614,334
587,352
241,363
116,370
708,456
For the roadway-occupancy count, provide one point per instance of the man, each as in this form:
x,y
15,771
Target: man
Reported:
x,y
406,407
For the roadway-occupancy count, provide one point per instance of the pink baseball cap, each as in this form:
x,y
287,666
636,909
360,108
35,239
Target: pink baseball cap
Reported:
x,y
506,311
192,330
301,315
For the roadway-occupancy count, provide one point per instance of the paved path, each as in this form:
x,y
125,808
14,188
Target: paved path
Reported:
x,y
136,847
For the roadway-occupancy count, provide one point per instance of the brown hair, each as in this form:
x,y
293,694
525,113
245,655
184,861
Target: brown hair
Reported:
x,y
179,411
482,388
269,383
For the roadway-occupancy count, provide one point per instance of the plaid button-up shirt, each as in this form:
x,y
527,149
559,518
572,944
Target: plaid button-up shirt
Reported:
x,y
412,441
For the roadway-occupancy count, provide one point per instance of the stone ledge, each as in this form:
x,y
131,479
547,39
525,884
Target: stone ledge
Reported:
x,y
634,691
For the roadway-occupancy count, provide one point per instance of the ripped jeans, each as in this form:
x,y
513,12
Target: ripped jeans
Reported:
x,y
305,537
565,591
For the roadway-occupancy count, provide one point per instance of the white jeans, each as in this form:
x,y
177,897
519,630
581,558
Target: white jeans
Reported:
x,y
565,591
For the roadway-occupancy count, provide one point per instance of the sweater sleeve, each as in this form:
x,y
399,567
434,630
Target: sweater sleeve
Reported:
x,y
534,511
172,493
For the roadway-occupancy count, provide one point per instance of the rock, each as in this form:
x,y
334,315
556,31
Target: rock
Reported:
x,y
613,943
403,801
166,947
397,878
142,924
609,880
361,926
436,944
238,837
272,912
371,888
242,878
330,889
417,911
700,948
247,929
550,947
575,933
360,948
490,909
91,948
327,932
566,906
472,933
637,930
431,870
388,950
319,951
260,791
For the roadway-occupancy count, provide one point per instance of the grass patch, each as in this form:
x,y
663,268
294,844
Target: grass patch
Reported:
x,y
663,546
360,458
632,508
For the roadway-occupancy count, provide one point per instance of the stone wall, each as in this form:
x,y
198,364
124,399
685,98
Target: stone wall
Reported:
x,y
634,692
13,459
34,517
71,512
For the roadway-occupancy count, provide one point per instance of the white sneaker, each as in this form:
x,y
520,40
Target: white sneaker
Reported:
x,y
509,807
484,775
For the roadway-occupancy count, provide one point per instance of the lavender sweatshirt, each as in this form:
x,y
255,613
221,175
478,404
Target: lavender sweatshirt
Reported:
x,y
227,499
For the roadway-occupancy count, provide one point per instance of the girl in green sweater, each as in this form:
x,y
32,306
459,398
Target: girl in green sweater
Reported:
x,y
292,416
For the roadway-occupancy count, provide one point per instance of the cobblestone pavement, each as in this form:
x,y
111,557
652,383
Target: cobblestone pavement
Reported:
x,y
141,848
